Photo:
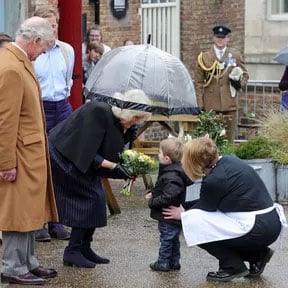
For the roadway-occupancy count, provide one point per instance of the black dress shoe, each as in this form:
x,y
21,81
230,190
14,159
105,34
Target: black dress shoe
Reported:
x,y
175,265
256,269
25,279
224,275
44,273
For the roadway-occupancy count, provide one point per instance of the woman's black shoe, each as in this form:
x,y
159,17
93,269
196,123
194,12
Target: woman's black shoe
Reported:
x,y
256,269
92,256
224,275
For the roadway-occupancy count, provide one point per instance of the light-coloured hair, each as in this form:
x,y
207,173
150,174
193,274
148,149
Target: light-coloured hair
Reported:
x,y
35,27
128,42
135,96
173,148
198,154
95,28
47,12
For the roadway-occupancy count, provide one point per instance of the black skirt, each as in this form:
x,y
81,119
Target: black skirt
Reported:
x,y
80,197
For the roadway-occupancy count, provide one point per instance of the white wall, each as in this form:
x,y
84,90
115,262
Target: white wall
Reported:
x,y
264,37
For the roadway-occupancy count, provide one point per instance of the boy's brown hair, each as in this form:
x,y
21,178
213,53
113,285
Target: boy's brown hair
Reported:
x,y
97,47
173,148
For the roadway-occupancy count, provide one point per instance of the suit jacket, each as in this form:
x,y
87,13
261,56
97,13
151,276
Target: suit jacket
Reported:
x,y
217,95
28,202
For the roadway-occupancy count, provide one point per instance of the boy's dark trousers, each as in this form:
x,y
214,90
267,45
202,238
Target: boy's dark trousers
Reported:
x,y
169,251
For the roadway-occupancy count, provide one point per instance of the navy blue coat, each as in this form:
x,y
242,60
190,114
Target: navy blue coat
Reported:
x,y
74,143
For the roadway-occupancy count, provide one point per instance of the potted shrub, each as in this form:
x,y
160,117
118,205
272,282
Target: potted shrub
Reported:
x,y
274,125
257,151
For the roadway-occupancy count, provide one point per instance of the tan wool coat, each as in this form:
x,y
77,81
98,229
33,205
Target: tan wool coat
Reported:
x,y
28,202
217,95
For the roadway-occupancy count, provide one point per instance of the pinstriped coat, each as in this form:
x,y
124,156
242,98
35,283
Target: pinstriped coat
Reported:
x,y
27,203
217,95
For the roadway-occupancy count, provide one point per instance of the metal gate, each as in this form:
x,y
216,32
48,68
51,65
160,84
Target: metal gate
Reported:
x,y
161,19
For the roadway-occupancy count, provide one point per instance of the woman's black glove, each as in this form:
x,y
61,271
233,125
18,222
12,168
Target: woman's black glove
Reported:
x,y
121,172
130,134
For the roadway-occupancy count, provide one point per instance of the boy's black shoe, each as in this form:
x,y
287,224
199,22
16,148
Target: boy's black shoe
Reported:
x,y
225,275
175,266
156,266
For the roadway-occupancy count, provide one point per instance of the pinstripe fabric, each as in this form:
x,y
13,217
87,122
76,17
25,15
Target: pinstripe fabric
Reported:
x,y
18,253
80,198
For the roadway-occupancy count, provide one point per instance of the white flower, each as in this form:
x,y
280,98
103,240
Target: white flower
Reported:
x,y
223,133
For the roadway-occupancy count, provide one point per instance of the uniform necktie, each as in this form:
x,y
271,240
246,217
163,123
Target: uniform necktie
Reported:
x,y
220,54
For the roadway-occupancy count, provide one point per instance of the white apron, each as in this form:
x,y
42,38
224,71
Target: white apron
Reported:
x,y
203,227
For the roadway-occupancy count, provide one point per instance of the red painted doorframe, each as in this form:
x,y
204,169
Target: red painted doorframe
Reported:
x,y
70,31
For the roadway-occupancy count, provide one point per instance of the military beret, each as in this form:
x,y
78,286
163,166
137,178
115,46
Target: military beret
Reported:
x,y
221,31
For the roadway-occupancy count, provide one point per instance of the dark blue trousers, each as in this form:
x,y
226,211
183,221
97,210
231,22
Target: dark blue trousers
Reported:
x,y
55,112
169,251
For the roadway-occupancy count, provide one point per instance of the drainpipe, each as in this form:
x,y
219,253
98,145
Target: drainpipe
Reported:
x,y
70,31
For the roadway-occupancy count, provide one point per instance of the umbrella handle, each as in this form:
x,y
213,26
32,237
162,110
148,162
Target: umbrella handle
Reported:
x,y
149,39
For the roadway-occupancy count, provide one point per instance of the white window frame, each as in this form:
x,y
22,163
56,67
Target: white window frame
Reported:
x,y
275,17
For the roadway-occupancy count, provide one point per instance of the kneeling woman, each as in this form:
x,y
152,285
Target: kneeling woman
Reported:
x,y
234,219
84,148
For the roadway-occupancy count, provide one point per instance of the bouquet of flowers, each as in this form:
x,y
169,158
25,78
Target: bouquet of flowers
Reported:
x,y
136,163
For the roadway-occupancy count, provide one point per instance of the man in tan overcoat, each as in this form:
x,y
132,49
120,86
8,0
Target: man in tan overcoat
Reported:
x,y
216,87
26,190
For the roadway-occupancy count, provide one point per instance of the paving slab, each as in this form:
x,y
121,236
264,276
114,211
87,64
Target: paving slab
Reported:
x,y
131,241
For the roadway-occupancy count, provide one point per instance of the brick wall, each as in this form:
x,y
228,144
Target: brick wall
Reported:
x,y
197,19
115,31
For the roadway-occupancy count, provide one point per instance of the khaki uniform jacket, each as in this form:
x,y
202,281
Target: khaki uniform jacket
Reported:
x,y
217,95
28,202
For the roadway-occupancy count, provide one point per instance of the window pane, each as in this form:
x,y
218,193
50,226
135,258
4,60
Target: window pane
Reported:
x,y
285,6
275,6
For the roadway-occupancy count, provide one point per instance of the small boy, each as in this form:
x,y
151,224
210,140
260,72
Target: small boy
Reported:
x,y
170,189
94,53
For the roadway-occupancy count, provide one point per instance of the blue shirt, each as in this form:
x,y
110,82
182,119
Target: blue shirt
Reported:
x,y
51,71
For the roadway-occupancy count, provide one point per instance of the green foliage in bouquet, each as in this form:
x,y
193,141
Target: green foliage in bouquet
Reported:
x,y
136,163
212,124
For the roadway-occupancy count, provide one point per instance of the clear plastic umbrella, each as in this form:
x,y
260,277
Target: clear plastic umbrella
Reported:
x,y
160,75
282,56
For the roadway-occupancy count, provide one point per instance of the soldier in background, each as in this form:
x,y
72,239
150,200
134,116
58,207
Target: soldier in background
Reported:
x,y
220,73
